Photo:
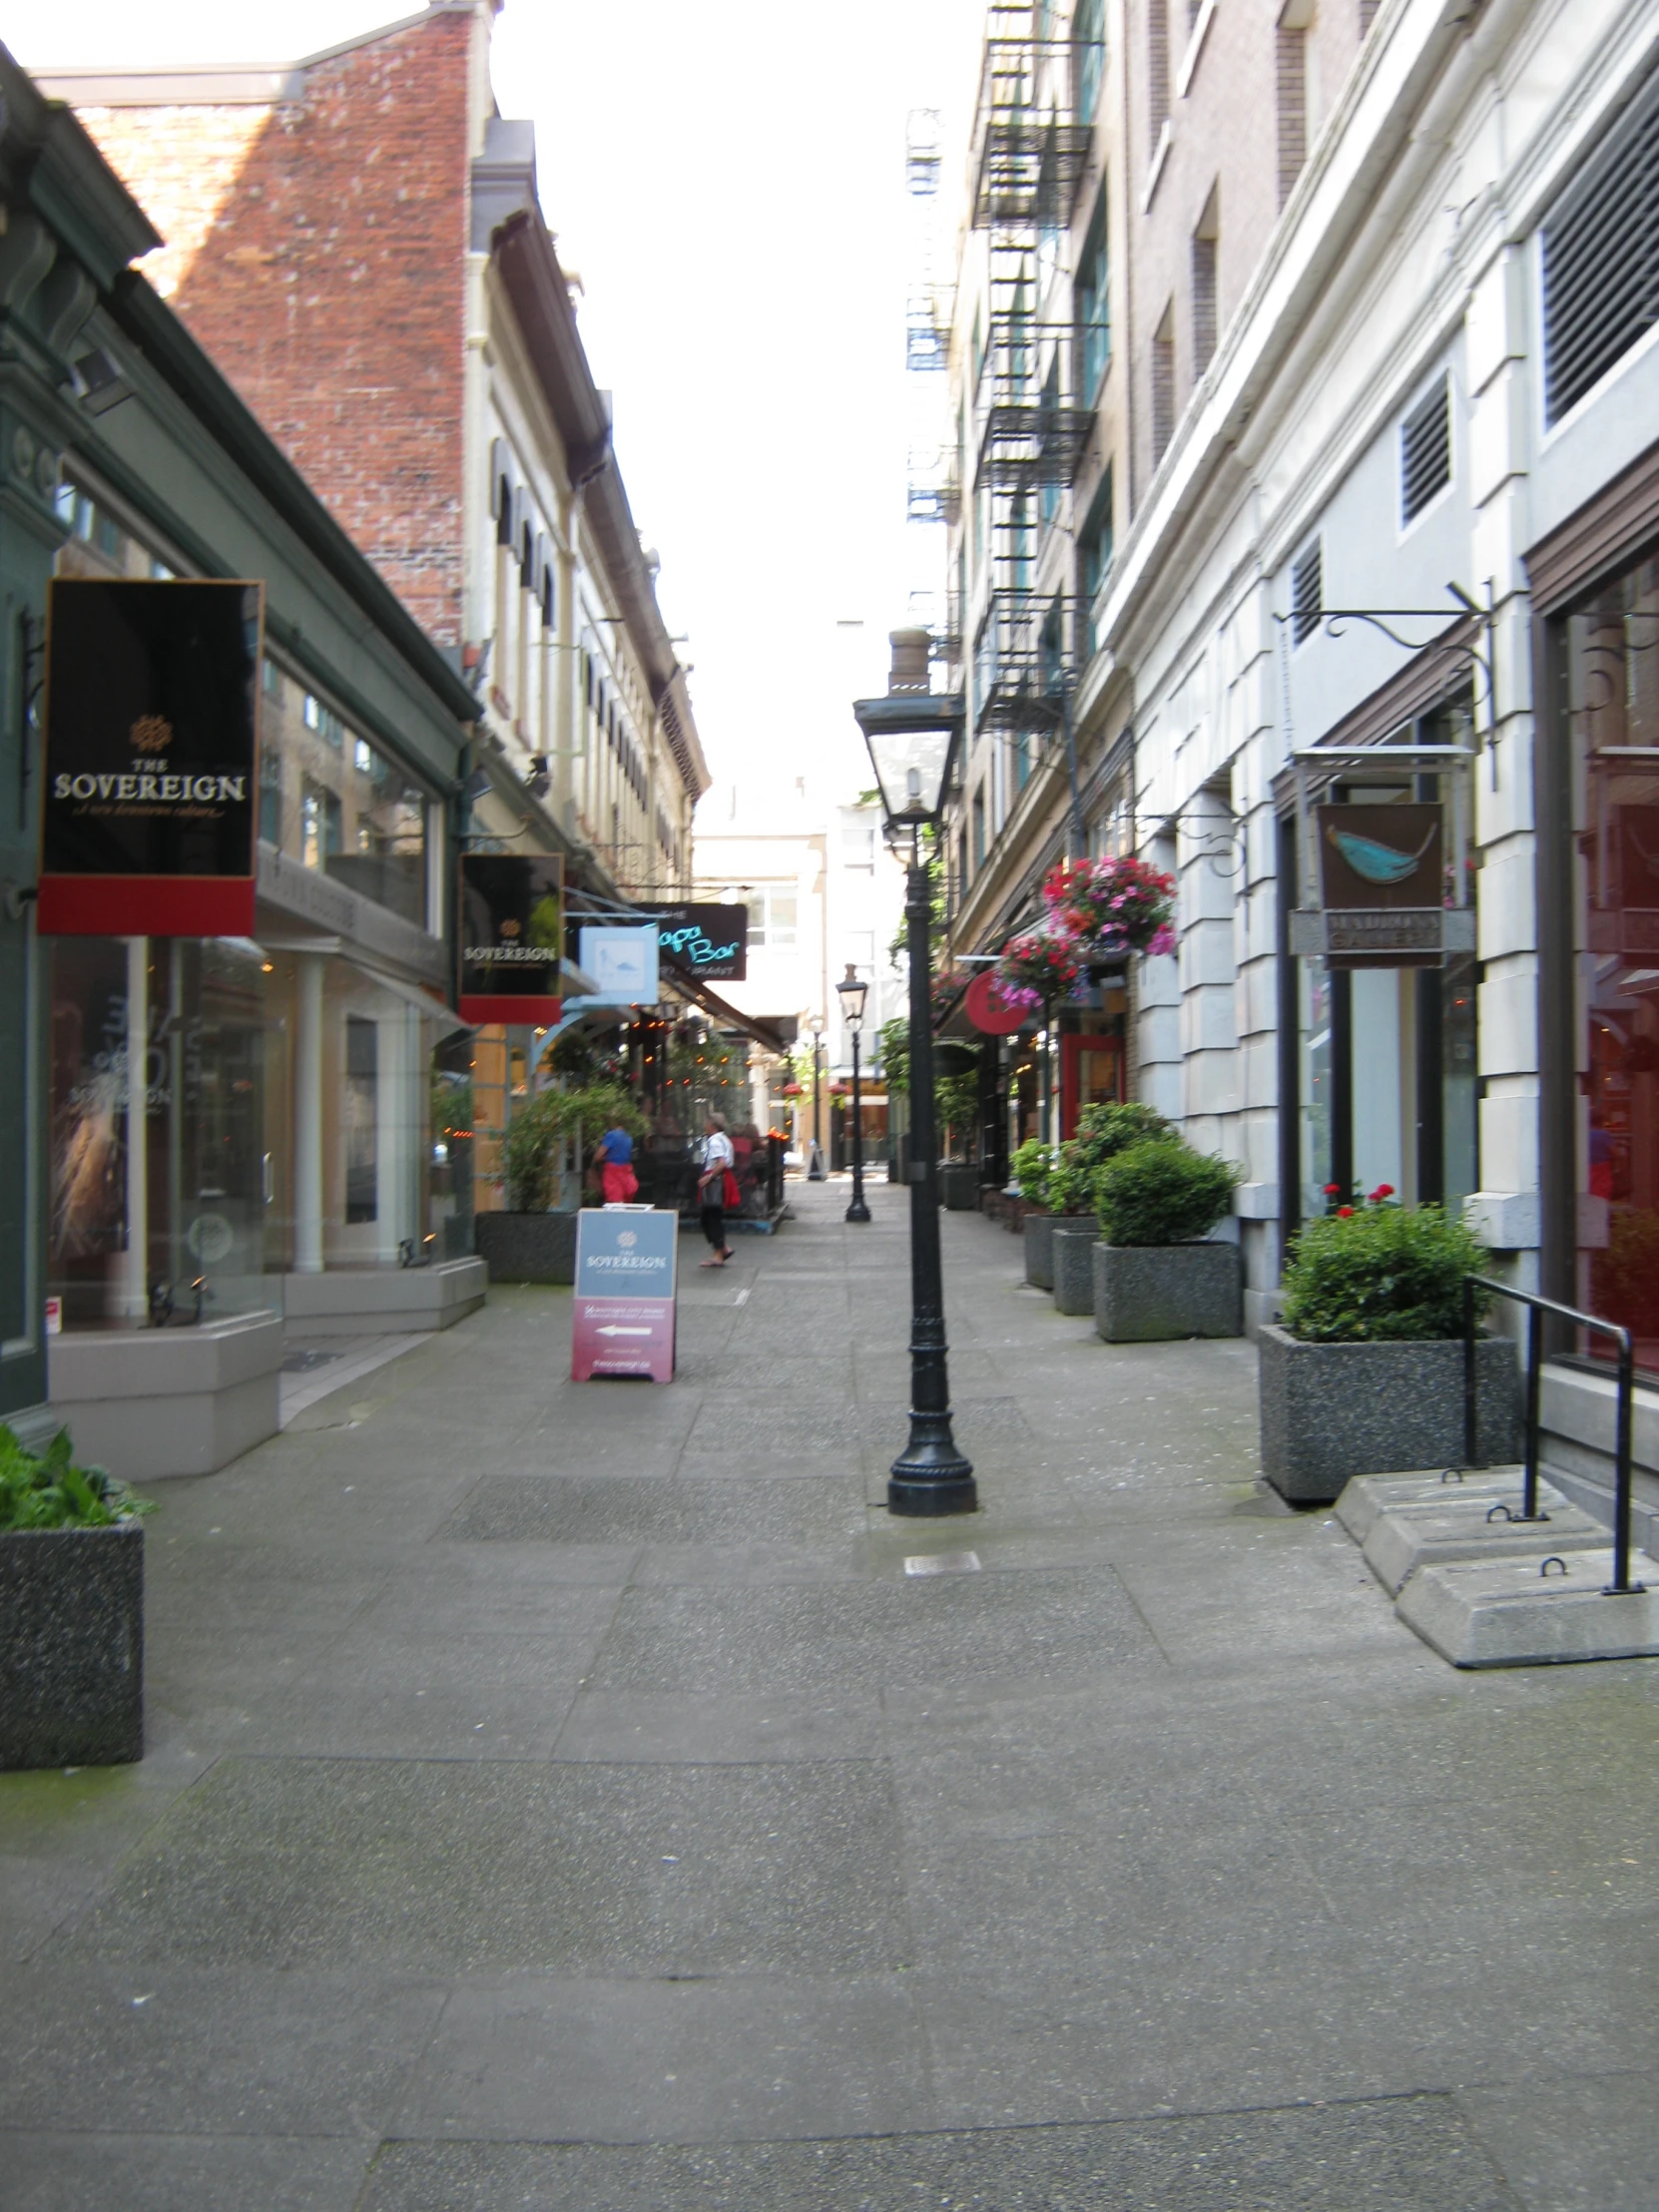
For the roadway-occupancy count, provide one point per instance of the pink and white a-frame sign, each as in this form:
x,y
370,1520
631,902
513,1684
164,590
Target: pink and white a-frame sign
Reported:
x,y
625,1279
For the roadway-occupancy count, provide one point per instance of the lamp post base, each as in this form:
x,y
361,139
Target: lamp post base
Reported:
x,y
858,1211
930,1477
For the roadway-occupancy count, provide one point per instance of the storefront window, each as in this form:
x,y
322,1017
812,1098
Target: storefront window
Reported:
x,y
333,801
159,1153
1612,671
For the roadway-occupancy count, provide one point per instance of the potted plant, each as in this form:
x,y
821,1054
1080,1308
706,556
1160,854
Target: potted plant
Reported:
x,y
71,1611
1032,1168
1364,1376
1111,906
1103,1131
1156,1274
534,1239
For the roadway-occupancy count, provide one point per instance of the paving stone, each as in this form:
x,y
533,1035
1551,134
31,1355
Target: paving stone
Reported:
x,y
574,1869
106,2172
569,1509
863,1635
1407,2155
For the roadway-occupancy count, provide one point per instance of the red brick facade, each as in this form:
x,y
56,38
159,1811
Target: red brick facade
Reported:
x,y
317,251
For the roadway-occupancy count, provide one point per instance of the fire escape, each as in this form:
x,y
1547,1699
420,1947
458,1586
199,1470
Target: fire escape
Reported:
x,y
1031,428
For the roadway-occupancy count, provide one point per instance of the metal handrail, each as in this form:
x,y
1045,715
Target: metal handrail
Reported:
x,y
1621,1584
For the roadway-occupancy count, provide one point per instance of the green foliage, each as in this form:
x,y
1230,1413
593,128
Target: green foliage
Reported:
x,y
1103,1131
1158,1191
1032,1168
895,1056
955,1108
50,1491
541,1129
1384,1274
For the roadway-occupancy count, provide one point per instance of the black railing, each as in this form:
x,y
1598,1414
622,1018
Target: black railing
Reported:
x,y
1621,1583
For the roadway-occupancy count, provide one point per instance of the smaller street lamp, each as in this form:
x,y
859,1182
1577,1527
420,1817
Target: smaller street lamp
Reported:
x,y
815,1166
852,994
912,735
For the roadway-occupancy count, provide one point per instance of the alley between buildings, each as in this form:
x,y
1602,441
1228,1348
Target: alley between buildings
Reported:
x,y
562,1797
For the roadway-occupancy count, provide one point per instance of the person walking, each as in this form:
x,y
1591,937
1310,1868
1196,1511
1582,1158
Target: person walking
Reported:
x,y
615,1154
715,1188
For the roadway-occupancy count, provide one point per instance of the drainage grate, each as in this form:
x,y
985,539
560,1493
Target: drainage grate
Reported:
x,y
301,1363
943,1562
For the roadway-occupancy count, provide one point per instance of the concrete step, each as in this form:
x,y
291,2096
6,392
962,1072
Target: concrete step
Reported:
x,y
1370,1494
1544,1609
1407,1537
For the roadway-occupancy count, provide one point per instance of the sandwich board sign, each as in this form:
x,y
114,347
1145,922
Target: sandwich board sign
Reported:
x,y
625,1277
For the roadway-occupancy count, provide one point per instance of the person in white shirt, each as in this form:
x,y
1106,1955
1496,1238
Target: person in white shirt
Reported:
x,y
718,1158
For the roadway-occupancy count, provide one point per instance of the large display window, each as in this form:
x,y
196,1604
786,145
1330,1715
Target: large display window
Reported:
x,y
1610,672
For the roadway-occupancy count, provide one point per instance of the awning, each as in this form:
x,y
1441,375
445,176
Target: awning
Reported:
x,y
726,1016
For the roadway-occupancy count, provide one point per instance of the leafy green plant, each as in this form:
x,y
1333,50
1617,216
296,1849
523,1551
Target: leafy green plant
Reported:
x,y
1103,1131
1385,1273
1159,1192
541,1129
1032,1168
48,1490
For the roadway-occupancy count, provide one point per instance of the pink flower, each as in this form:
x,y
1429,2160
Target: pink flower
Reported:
x,y
1164,940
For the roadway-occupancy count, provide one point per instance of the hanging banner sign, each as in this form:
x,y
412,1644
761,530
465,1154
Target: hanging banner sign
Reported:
x,y
512,926
151,771
983,1005
622,962
707,941
1382,890
626,1260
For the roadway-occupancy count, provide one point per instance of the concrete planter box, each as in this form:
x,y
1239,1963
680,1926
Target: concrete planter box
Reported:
x,y
1072,1265
1151,1293
1332,1412
1039,1244
72,1646
527,1248
959,1186
150,1402
355,1301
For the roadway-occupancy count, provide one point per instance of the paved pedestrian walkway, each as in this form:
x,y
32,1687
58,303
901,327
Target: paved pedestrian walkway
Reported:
x,y
561,1797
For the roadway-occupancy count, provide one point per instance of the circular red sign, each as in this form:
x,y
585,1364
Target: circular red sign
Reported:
x,y
986,1011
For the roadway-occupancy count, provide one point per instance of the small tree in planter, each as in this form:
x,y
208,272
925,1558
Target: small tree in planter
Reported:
x,y
1103,1131
71,1611
533,1241
1365,1373
1155,1274
1052,1194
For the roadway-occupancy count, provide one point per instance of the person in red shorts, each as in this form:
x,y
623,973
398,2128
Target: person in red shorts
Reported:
x,y
615,1154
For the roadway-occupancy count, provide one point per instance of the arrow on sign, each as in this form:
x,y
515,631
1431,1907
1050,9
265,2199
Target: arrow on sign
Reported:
x,y
613,1329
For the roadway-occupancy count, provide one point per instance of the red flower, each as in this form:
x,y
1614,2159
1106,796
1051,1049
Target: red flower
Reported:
x,y
1383,1190
1332,1190
1345,1213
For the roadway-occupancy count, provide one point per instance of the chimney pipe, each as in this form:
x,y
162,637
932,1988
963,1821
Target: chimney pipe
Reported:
x,y
912,653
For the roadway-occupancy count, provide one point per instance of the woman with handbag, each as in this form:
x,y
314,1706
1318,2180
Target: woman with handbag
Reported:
x,y
717,1187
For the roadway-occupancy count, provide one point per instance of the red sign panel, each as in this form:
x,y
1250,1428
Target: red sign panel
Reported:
x,y
984,1008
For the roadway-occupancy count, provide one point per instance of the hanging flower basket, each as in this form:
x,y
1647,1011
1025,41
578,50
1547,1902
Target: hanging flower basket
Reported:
x,y
794,1090
1036,968
1109,907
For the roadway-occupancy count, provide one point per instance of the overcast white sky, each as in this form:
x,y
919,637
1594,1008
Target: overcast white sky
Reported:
x,y
728,179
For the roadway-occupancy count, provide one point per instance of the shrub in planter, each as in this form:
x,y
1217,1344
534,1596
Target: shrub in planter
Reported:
x,y
1365,1373
71,1611
1030,1169
546,1124
1052,1197
1155,1276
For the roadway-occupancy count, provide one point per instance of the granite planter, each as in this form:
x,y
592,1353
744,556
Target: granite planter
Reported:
x,y
72,1646
1039,1230
1334,1411
1073,1265
527,1248
959,1186
1150,1293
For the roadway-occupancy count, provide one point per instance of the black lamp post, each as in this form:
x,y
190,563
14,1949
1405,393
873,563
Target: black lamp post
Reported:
x,y
912,735
852,994
815,1166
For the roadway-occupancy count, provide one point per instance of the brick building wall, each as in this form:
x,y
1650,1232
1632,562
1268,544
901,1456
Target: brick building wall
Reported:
x,y
316,248
1228,146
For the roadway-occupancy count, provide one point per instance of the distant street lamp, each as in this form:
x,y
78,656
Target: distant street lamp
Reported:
x,y
852,994
912,736
815,1166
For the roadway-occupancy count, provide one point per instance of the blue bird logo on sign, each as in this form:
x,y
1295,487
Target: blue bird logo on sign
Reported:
x,y
1377,863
